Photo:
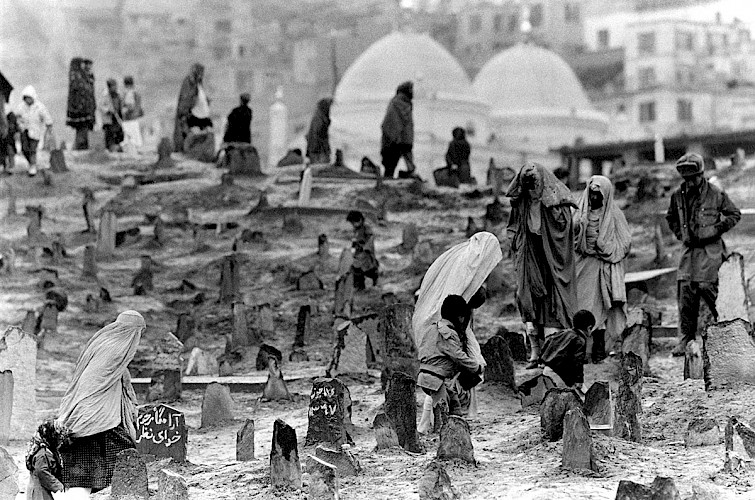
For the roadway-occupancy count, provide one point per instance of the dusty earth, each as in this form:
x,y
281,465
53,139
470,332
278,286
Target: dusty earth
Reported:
x,y
513,462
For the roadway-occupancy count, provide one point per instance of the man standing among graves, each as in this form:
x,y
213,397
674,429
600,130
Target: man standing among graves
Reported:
x,y
698,215
318,141
365,262
602,243
82,106
398,131
542,241
238,127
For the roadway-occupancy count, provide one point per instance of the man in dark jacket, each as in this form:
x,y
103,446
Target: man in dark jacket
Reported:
x,y
565,352
698,215
239,125
457,156
398,131
318,141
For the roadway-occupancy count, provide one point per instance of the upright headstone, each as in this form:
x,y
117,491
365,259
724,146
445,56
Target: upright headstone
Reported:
x,y
385,432
344,296
409,238
305,187
87,205
553,409
245,442
8,476
166,365
598,405
285,469
266,351
729,353
309,281
323,480
90,262
323,247
30,323
217,405
185,326
302,325
171,486
401,408
6,406
159,235
106,233
164,148
161,431
436,485
629,399
229,279
130,480
18,353
275,388
515,341
731,302
637,338
343,459
142,281
662,488
456,440
533,391
349,355
11,211
264,318
500,363
577,452
49,318
693,361
395,325
34,229
58,161
702,432
329,411
240,335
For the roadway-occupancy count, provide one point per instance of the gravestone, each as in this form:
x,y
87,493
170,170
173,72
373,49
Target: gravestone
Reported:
x,y
49,318
243,159
305,187
323,480
731,302
629,399
217,405
58,297
662,488
229,279
409,238
6,406
515,341
275,388
30,323
90,262
8,476
292,223
130,480
423,255
328,413
702,432
161,431
345,261
395,326
164,148
201,363
266,352
375,348
555,405
349,355
323,247
242,335
185,326
598,405
245,442
533,391
165,363
18,353
171,486
106,233
142,281
577,452
637,338
309,281
730,353
344,296
58,161
693,361
263,318
87,205
385,432
159,235
200,145
436,485
302,325
342,459
34,229
456,440
401,408
500,366
285,469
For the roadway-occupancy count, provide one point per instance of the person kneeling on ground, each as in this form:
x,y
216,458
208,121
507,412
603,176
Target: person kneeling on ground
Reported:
x,y
451,358
365,262
44,463
564,353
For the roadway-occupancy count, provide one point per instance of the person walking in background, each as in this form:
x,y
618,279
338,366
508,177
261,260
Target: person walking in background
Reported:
x,y
44,463
34,122
193,109
398,131
602,239
238,127
99,406
365,263
132,111
82,105
111,109
8,128
542,240
457,156
699,214
318,141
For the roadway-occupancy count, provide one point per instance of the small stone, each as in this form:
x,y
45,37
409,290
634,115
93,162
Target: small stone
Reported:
x,y
130,480
309,281
553,409
456,440
217,405
285,469
245,442
577,451
436,484
8,476
703,432
323,480
275,389
693,361
533,390
500,366
385,432
171,486
598,405
342,459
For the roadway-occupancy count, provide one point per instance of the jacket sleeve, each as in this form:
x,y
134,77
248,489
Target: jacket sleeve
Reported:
x,y
45,476
672,217
730,214
450,345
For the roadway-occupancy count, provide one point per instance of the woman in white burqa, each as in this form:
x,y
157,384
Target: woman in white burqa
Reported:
x,y
460,270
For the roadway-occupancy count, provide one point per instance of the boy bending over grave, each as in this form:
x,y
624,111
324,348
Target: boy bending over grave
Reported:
x,y
365,262
564,353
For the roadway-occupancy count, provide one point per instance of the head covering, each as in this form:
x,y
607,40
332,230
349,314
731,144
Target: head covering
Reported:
x,y
460,134
245,97
100,396
406,88
29,91
614,236
5,87
82,105
549,189
460,270
690,164
197,70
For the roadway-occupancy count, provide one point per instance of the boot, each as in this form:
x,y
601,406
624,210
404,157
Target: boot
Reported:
x,y
534,351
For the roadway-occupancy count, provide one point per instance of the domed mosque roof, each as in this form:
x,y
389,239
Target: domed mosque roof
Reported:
x,y
399,57
530,80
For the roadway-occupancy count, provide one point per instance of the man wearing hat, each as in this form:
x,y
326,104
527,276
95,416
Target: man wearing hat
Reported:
x,y
698,215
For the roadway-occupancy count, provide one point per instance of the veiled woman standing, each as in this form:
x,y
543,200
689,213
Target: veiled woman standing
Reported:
x,y
82,105
99,407
318,142
193,109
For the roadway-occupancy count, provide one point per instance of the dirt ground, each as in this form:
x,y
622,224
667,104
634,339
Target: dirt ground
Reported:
x,y
513,462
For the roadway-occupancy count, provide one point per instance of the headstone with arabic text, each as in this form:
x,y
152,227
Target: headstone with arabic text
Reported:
x,y
161,431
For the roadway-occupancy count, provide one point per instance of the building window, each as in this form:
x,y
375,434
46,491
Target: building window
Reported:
x,y
603,39
685,41
571,13
475,24
646,42
684,110
498,22
646,77
223,26
536,15
647,111
685,75
513,23
221,52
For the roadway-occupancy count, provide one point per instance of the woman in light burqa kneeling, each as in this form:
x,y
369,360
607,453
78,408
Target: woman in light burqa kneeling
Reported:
x,y
460,270
99,407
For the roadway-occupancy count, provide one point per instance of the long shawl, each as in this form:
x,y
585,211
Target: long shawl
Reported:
x,y
318,140
82,105
398,124
614,236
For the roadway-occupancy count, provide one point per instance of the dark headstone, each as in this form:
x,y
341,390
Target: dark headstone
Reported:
x,y
395,326
245,442
242,335
90,262
164,148
161,431
217,405
328,413
323,247
446,177
57,297
302,325
629,399
309,281
185,326
165,386
500,366
105,295
49,318
662,488
401,408
577,451
130,481
409,238
598,406
275,388
436,485
702,432
267,351
456,440
636,339
142,281
159,231
553,409
243,160
285,469
229,279
533,391
58,161
515,341
323,480
343,460
385,432
344,296
29,325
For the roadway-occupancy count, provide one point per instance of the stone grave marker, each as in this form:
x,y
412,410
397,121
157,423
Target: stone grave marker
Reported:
x,y
161,431
341,458
49,318
90,262
6,406
423,255
245,442
385,432
323,480
553,409
166,365
533,391
265,352
18,353
344,296
375,348
345,261
285,469
577,452
275,388
456,440
436,484
323,247
263,318
130,481
409,238
500,363
309,281
230,279
401,408
329,411
302,325
730,353
106,233
201,363
662,488
637,338
164,148
171,486
243,159
8,476
87,205
515,341
702,432
242,335
395,325
598,406
158,233
693,361
185,326
142,281
30,323
34,229
349,355
217,405
305,187
58,298
732,300
629,399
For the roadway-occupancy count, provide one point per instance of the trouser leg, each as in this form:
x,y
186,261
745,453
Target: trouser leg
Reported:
x,y
390,157
408,158
689,309
616,322
709,293
359,278
536,338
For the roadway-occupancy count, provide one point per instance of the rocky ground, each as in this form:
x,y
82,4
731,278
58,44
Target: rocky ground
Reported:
x,y
513,462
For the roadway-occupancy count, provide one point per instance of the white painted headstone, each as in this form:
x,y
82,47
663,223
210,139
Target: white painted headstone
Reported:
x,y
732,290
305,187
18,353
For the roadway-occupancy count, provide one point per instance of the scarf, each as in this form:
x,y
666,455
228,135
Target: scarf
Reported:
x,y
614,236
548,189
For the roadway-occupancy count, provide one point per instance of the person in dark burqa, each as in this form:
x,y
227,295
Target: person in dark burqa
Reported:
x,y
82,104
8,128
457,156
318,141
542,240
398,131
239,125
111,109
192,102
